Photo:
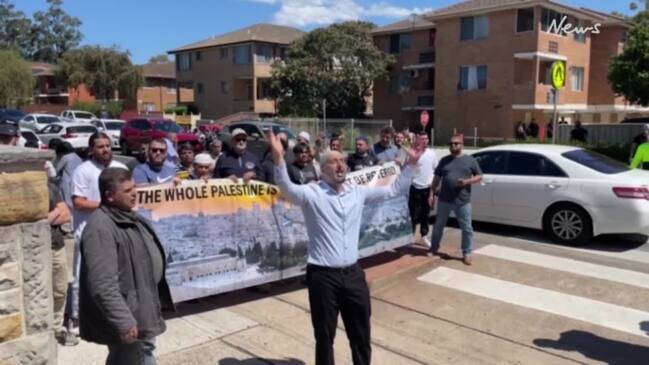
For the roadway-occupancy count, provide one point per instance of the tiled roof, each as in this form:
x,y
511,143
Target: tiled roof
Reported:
x,y
42,69
165,70
485,5
269,33
405,24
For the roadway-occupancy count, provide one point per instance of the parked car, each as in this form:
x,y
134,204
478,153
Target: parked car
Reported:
x,y
14,115
36,122
112,127
78,116
143,129
75,133
571,193
256,130
28,138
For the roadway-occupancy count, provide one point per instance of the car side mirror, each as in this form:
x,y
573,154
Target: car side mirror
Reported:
x,y
256,136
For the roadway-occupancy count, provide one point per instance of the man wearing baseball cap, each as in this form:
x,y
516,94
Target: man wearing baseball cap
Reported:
x,y
238,162
9,134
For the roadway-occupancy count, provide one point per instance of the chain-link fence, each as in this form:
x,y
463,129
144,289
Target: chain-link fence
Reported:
x,y
348,128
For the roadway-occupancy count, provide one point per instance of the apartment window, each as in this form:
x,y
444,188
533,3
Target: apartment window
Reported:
x,y
400,42
184,62
473,78
282,52
525,20
198,55
223,53
551,21
431,37
474,27
263,89
426,100
199,88
624,36
393,85
577,79
545,72
225,87
553,47
242,55
263,54
148,107
580,36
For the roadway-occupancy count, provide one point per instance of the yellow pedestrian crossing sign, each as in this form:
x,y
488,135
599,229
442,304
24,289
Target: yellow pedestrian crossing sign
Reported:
x,y
558,74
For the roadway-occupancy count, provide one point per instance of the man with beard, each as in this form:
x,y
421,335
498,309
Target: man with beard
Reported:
x,y
302,171
86,199
332,213
454,176
384,150
156,170
238,162
123,284
362,158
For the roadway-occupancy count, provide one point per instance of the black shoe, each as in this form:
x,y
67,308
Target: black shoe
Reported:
x,y
66,338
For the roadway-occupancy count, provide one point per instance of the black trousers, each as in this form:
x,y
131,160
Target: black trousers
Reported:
x,y
344,290
419,208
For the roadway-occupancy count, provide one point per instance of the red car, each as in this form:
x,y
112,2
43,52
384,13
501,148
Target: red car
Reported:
x,y
141,130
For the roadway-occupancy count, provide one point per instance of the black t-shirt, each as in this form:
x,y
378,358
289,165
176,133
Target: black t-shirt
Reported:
x,y
579,134
358,162
302,174
57,232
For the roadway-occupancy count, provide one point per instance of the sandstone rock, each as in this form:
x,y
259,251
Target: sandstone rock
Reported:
x,y
10,241
10,301
11,327
23,197
9,276
38,349
37,277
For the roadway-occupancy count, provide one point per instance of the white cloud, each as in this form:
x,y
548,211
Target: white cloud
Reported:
x,y
301,13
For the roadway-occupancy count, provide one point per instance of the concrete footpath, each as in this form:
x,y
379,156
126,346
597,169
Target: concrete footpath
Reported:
x,y
267,325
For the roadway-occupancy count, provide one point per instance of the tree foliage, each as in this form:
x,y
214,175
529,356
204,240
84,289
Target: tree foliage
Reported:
x,y
102,70
161,58
629,71
45,37
16,80
337,64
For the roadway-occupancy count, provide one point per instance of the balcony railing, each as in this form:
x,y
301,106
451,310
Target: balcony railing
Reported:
x,y
427,57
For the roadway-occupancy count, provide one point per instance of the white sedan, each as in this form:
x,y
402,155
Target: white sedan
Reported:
x,y
77,133
571,193
112,127
36,122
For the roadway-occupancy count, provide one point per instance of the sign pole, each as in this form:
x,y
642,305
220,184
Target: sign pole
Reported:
x,y
555,96
558,81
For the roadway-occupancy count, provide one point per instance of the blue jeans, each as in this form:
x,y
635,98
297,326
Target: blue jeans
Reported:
x,y
139,352
463,215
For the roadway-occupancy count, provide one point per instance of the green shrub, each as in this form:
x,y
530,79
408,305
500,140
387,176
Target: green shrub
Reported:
x,y
178,110
113,107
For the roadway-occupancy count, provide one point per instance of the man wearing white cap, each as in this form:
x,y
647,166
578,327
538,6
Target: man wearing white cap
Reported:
x,y
304,137
202,164
238,162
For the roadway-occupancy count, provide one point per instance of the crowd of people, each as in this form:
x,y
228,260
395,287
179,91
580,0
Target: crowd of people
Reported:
x,y
119,287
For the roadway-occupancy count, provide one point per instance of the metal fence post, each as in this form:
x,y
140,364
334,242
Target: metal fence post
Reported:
x,y
390,123
475,137
352,132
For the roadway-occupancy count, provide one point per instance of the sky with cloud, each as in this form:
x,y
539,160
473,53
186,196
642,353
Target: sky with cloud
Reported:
x,y
149,27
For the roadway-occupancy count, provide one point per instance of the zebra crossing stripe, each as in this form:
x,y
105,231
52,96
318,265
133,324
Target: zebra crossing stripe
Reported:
x,y
582,268
570,306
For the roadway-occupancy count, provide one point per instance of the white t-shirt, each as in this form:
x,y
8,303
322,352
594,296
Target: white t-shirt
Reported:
x,y
425,170
85,183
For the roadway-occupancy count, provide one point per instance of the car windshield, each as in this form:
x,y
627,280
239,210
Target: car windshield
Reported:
x,y
114,126
596,161
281,129
47,120
82,115
82,129
167,126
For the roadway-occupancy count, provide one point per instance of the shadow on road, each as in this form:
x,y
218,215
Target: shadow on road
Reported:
x,y
257,361
598,348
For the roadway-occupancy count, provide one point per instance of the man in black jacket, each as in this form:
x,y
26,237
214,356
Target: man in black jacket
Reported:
x,y
238,162
363,157
123,285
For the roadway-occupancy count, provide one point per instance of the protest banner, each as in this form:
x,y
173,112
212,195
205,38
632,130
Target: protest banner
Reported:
x,y
221,236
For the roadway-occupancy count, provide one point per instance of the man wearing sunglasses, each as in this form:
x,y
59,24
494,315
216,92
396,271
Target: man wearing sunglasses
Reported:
x,y
156,170
238,162
454,176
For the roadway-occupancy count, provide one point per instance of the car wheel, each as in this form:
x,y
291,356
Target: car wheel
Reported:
x,y
569,224
124,147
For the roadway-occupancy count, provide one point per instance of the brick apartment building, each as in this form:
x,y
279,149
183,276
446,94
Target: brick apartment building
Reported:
x,y
491,67
230,73
159,91
48,91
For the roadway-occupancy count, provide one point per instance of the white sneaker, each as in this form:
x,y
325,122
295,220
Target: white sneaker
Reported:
x,y
425,242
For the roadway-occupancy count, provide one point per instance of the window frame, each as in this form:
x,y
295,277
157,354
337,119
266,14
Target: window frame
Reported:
x,y
249,60
572,78
474,27
477,68
533,21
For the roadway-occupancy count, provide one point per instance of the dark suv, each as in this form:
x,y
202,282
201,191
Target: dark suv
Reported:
x,y
142,130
